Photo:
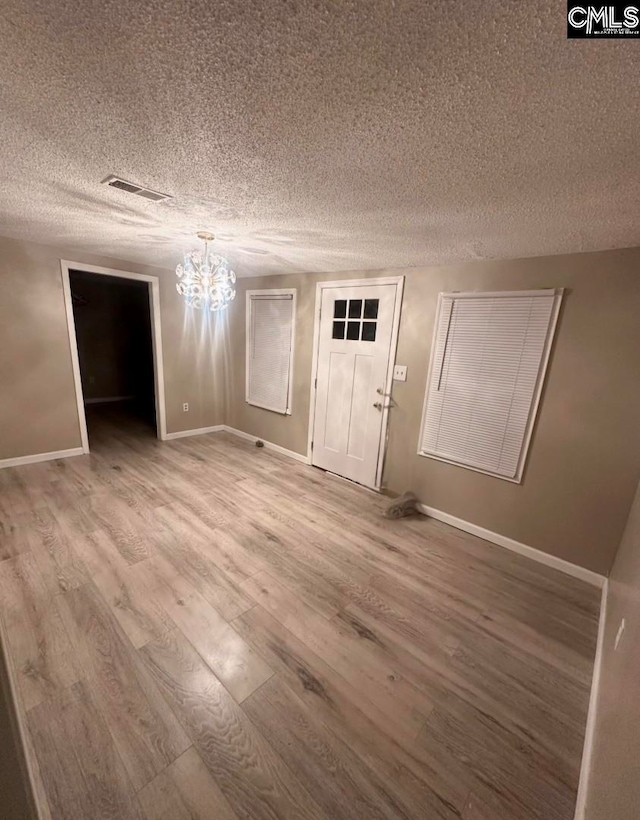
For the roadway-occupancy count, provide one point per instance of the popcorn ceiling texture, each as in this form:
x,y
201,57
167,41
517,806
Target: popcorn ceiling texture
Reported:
x,y
313,135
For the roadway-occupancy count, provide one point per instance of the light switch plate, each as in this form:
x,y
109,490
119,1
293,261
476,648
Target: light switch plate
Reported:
x,y
400,373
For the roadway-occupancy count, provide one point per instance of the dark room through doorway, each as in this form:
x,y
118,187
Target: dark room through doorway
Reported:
x,y
112,317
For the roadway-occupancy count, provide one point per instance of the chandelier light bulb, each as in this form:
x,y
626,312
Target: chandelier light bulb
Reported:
x,y
205,280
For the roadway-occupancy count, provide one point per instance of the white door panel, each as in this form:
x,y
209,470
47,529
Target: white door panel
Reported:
x,y
363,388
337,376
356,325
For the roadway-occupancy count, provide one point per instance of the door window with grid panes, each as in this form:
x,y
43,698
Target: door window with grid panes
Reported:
x,y
355,319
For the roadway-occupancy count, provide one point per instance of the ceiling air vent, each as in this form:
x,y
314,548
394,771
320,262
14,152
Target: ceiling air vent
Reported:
x,y
132,188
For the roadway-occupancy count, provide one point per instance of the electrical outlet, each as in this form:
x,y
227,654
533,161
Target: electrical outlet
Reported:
x,y
623,623
185,407
400,373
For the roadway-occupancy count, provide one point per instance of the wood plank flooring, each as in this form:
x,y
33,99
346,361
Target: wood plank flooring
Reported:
x,y
203,629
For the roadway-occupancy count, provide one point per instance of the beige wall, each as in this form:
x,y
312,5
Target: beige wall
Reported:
x,y
614,782
38,411
583,462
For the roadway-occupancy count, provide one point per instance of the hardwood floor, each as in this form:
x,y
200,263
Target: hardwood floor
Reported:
x,y
204,629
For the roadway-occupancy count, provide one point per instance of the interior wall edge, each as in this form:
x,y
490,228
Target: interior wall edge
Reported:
x,y
15,754
108,399
592,713
612,786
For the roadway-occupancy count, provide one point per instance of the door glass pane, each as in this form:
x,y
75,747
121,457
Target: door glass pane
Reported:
x,y
353,331
355,308
371,308
369,331
338,330
340,309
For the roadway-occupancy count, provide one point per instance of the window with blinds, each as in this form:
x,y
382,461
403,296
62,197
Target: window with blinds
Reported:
x,y
270,334
488,361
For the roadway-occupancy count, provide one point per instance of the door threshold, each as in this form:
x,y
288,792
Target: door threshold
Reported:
x,y
355,483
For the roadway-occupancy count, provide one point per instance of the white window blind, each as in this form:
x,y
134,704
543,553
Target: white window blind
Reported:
x,y
270,326
488,361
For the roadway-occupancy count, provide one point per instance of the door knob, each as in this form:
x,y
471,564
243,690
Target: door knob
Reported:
x,y
378,405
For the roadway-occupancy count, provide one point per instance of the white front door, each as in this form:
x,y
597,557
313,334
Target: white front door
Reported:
x,y
356,328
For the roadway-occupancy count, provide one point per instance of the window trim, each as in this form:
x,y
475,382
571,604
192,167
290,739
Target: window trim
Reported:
x,y
269,294
557,293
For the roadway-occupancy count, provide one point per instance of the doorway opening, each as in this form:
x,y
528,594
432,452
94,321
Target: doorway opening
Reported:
x,y
355,339
114,333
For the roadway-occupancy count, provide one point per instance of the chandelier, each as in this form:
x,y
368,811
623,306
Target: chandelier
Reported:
x,y
205,278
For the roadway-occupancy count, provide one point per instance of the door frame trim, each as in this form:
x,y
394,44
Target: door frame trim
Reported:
x,y
153,283
398,282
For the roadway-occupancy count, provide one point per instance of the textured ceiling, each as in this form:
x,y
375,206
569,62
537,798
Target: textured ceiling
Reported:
x,y
312,135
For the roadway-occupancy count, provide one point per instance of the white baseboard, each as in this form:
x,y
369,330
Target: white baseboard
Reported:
x,y
34,459
268,444
199,431
589,736
108,399
522,549
495,538
219,428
